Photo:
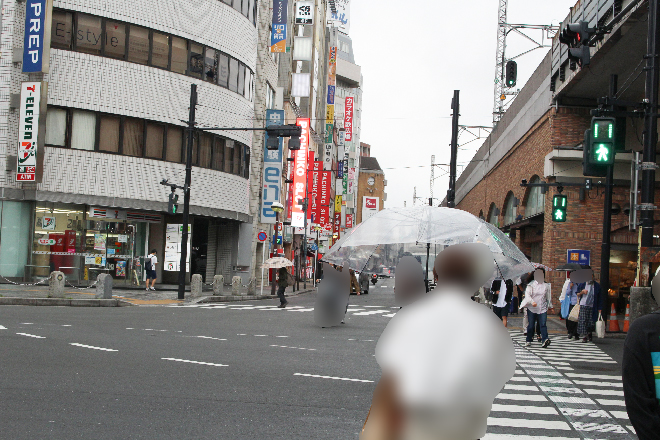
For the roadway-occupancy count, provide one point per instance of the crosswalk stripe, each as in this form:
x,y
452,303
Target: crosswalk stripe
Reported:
x,y
520,379
598,384
544,373
568,399
528,423
604,392
527,397
594,376
620,414
585,360
516,387
490,436
524,409
611,402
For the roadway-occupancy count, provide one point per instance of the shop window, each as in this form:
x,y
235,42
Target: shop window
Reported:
x,y
270,96
210,65
246,8
160,54
174,142
138,45
56,127
205,143
109,133
88,35
133,137
536,199
155,140
61,30
229,155
241,78
115,39
246,162
83,130
238,5
233,75
223,70
179,55
218,154
252,12
196,64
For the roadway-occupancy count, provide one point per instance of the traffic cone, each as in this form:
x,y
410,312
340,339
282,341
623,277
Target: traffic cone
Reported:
x,y
614,323
626,322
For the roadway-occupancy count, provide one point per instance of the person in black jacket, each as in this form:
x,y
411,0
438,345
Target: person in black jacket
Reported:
x,y
641,371
502,293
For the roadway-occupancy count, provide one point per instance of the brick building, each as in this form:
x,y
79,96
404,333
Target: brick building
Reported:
x,y
117,93
371,188
540,139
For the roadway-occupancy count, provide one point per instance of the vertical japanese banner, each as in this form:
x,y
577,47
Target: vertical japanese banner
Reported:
x,y
349,221
289,196
314,191
31,130
311,158
348,118
325,198
300,175
340,153
278,34
272,176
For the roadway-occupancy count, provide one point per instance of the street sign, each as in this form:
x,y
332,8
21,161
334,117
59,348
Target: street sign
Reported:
x,y
262,236
313,247
579,256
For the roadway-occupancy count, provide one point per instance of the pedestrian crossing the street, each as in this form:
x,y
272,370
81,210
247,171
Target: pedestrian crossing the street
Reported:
x,y
542,402
563,351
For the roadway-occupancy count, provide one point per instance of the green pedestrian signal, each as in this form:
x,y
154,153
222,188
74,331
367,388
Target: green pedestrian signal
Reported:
x,y
559,205
172,204
602,148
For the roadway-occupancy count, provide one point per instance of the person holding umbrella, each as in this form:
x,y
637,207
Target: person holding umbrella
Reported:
x,y
282,284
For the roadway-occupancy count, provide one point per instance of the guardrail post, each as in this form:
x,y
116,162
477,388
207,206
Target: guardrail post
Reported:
x,y
196,285
218,285
56,284
104,286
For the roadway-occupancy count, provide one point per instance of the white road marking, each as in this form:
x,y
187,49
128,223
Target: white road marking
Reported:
x,y
31,336
27,323
489,436
211,337
302,310
620,414
598,384
520,379
604,392
130,328
527,397
389,315
516,387
295,348
569,399
584,412
281,336
524,409
333,378
241,334
66,325
528,424
610,402
370,312
565,390
544,373
3,327
599,427
91,346
593,376
631,429
559,363
564,368
550,380
194,362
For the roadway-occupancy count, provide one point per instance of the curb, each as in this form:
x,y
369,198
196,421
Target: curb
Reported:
x,y
62,302
235,298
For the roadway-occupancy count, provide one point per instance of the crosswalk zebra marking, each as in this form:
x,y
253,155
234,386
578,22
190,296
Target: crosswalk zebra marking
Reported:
x,y
593,376
497,407
598,384
571,399
528,423
620,414
604,392
611,402
491,436
516,387
526,397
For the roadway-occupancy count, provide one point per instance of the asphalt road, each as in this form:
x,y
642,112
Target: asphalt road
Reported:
x,y
251,371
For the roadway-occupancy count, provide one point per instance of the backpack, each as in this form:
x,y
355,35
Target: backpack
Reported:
x,y
147,263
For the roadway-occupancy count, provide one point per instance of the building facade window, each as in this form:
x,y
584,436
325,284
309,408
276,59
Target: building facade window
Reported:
x,y
270,97
105,133
136,44
510,210
535,200
493,215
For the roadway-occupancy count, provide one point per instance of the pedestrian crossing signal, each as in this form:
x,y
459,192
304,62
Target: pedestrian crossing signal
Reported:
x,y
559,205
602,141
172,203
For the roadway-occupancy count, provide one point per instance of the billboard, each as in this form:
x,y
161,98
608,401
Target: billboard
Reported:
x,y
272,176
339,12
304,12
370,206
348,118
325,197
31,130
300,175
36,46
278,33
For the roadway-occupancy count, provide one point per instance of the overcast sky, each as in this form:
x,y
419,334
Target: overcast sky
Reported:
x,y
413,55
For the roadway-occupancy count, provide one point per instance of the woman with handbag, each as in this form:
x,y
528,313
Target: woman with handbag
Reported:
x,y
540,298
591,305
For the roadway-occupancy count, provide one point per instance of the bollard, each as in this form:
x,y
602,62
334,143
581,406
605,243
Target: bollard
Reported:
x,y
218,285
104,286
252,286
196,286
236,283
56,285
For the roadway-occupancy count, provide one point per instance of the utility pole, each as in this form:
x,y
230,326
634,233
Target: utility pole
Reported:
x,y
186,192
650,124
607,210
451,193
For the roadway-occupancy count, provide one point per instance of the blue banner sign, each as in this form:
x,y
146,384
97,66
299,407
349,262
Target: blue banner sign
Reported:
x,y
278,35
36,47
578,256
272,178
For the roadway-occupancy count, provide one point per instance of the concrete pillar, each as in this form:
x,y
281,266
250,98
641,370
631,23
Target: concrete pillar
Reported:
x,y
641,302
104,286
218,285
56,284
252,286
196,286
236,284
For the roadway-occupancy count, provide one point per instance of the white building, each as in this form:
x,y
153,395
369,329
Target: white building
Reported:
x,y
118,91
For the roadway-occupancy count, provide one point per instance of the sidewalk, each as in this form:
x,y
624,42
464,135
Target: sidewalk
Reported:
x,y
165,294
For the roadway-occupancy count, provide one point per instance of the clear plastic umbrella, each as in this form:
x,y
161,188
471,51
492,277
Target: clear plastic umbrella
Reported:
x,y
276,263
390,234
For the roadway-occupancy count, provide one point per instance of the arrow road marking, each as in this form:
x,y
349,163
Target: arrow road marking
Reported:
x,y
194,362
75,344
31,336
3,327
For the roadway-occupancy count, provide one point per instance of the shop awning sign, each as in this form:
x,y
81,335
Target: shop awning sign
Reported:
x,y
46,241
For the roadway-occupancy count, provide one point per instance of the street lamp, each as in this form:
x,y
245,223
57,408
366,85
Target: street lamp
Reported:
x,y
277,207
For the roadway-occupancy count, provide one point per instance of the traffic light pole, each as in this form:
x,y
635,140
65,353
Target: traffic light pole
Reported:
x,y
650,123
186,192
451,192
